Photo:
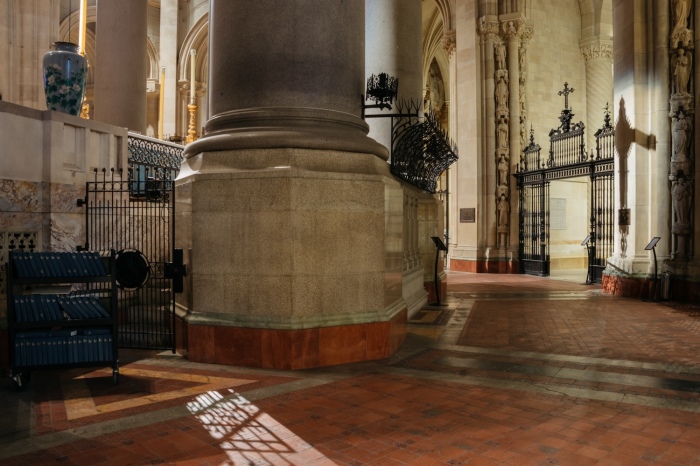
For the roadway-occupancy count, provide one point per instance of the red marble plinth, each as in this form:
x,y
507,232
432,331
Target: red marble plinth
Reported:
x,y
482,266
295,349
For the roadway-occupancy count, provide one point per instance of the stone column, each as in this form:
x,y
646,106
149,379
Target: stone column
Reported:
x,y
120,71
513,31
168,58
393,46
489,32
298,86
291,219
28,29
452,205
597,55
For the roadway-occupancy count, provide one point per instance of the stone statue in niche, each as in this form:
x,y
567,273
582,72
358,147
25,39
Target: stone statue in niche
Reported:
x,y
680,130
503,207
681,64
500,57
501,93
502,131
682,195
522,59
502,171
436,88
681,10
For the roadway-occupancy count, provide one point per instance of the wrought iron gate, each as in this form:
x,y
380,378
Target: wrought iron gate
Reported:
x,y
133,213
567,159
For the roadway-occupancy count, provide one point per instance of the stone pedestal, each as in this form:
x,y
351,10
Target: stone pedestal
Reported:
x,y
285,206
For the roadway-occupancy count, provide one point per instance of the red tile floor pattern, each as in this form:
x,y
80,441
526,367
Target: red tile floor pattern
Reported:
x,y
468,392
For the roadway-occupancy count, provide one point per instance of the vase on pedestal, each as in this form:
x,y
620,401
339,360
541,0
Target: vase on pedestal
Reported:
x,y
65,72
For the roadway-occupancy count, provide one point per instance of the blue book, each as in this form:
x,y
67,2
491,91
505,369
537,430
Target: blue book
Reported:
x,y
86,256
19,308
67,262
80,265
99,264
98,310
35,311
47,259
19,263
58,265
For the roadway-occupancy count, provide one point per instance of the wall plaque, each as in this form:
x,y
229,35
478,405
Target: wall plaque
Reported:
x,y
557,214
467,215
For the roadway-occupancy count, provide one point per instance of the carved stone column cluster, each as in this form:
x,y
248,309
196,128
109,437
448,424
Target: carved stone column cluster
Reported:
x,y
682,112
510,112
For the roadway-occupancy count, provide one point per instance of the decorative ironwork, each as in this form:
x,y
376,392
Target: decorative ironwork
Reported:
x,y
530,158
143,233
567,159
151,160
420,150
382,89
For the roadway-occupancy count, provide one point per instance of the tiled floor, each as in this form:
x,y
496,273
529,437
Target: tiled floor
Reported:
x,y
515,370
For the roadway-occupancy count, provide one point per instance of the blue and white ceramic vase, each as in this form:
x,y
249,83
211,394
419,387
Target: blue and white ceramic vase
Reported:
x,y
65,72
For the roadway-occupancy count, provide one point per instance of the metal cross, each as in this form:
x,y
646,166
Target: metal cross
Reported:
x,y
566,93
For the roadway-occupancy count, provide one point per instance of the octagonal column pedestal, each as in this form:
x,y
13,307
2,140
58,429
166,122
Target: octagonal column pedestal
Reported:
x,y
287,212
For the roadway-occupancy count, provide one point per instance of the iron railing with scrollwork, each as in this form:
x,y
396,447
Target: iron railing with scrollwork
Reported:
x,y
420,150
151,160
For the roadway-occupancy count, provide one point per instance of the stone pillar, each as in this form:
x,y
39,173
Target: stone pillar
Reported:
x,y
168,58
512,31
305,90
638,183
291,219
120,71
489,33
393,46
28,29
597,55
451,206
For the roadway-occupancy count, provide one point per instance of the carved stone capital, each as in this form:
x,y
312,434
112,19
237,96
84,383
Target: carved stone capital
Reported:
x,y
449,42
488,28
513,28
597,49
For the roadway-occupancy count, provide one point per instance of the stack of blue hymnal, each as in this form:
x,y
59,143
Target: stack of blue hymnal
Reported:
x,y
63,346
57,264
36,308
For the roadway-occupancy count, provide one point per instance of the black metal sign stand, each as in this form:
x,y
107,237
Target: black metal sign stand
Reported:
x,y
652,247
440,247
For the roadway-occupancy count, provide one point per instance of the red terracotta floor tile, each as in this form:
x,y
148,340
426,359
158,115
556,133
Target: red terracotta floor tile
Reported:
x,y
486,391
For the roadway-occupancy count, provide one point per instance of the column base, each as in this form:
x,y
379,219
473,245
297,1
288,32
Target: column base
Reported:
x,y
294,349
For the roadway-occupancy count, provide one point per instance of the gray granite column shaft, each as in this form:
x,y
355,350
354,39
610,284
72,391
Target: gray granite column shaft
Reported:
x,y
286,74
120,71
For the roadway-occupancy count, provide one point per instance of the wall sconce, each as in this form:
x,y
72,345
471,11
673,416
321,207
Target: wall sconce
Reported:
x,y
383,90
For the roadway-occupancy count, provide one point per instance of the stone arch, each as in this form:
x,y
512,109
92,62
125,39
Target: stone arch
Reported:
x,y
197,38
446,7
434,52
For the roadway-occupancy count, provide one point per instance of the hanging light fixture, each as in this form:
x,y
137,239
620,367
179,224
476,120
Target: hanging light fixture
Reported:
x,y
382,89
